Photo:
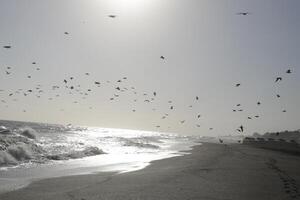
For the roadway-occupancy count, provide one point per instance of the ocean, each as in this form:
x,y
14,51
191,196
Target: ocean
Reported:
x,y
31,151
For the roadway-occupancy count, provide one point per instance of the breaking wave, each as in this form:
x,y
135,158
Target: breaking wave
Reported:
x,y
23,142
21,148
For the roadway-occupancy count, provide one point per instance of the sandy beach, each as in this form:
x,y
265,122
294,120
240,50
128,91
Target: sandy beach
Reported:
x,y
211,171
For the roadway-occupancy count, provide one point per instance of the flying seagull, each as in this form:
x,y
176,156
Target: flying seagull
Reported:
x,y
237,85
243,13
112,16
162,57
66,33
278,79
7,47
277,95
289,71
258,103
241,128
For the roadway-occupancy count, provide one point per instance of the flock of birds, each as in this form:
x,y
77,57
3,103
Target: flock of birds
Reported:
x,y
69,85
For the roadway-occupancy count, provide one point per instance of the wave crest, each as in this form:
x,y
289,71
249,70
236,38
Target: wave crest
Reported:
x,y
89,151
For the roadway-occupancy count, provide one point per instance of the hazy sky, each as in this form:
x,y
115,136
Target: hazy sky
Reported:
x,y
208,49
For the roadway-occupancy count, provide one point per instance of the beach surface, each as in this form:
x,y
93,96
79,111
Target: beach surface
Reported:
x,y
211,171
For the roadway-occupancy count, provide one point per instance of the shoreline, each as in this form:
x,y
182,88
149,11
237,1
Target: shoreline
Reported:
x,y
211,171
19,178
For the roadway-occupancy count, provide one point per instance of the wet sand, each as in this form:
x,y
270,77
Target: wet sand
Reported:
x,y
211,171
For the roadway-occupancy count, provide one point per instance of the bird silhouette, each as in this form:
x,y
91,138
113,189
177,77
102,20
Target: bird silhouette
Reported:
x,y
112,16
66,33
277,95
288,71
162,57
7,47
154,93
258,103
197,98
221,141
278,79
243,13
237,85
242,128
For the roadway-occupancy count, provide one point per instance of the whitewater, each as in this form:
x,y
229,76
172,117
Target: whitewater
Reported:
x,y
32,151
